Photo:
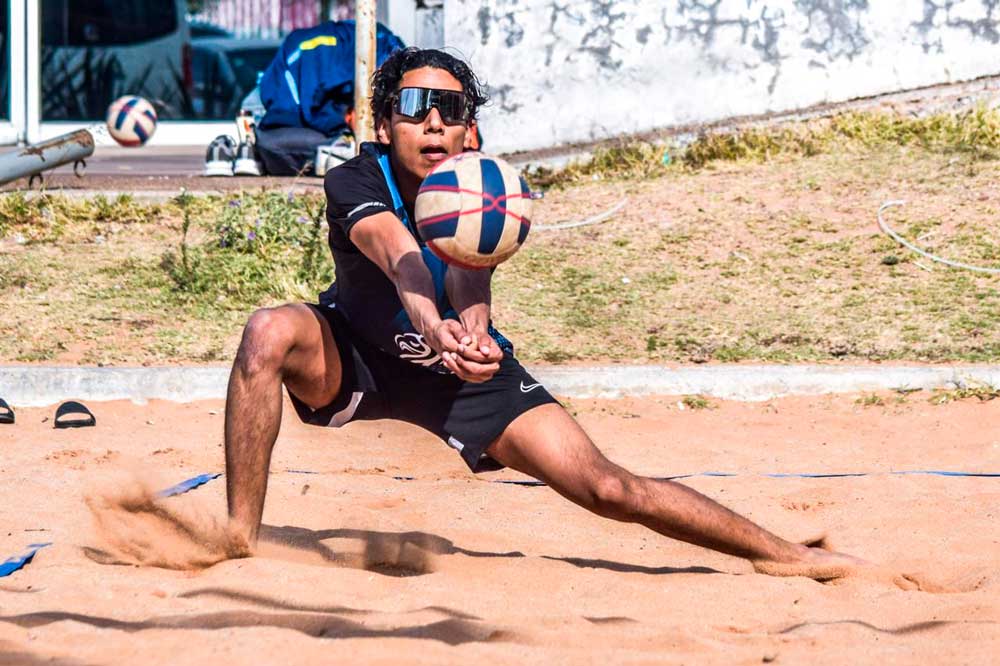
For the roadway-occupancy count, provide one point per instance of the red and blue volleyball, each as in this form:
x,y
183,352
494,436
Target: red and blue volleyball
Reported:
x,y
131,120
473,210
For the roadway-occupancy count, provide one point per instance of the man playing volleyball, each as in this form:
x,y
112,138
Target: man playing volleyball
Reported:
x,y
401,335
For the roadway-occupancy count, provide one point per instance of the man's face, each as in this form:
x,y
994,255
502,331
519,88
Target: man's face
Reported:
x,y
419,145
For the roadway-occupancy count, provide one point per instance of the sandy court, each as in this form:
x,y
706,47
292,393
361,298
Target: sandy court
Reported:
x,y
446,567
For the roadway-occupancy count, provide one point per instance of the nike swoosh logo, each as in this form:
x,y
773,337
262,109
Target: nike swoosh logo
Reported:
x,y
530,387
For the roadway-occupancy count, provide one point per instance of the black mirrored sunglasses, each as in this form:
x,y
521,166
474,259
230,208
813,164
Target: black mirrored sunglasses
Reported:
x,y
416,103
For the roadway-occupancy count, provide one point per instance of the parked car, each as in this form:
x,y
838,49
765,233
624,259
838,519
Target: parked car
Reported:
x,y
94,51
200,29
225,70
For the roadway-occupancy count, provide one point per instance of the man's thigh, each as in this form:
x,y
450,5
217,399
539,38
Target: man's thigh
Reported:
x,y
312,369
548,444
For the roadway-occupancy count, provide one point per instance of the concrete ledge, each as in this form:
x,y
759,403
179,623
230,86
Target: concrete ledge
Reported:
x,y
33,386
757,382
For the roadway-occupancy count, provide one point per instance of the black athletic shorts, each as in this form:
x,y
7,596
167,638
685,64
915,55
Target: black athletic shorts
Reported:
x,y
467,416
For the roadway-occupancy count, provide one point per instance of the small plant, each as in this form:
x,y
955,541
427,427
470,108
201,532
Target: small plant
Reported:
x,y
123,209
903,393
626,159
755,143
869,400
696,401
314,242
183,201
976,132
983,393
15,211
45,218
260,246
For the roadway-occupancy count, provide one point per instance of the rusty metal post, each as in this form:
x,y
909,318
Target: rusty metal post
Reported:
x,y
32,160
364,67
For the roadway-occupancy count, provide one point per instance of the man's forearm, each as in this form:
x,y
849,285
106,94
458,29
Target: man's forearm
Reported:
x,y
475,318
416,291
469,293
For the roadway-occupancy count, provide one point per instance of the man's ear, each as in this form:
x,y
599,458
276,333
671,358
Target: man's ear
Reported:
x,y
382,131
471,136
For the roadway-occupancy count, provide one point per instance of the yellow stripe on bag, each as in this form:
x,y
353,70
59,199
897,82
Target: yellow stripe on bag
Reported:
x,y
322,40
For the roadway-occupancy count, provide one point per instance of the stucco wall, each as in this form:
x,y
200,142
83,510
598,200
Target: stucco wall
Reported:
x,y
564,71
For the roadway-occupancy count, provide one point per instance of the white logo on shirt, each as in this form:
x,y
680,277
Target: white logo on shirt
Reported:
x,y
529,388
413,348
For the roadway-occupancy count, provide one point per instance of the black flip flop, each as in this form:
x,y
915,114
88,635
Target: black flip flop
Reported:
x,y
74,407
6,413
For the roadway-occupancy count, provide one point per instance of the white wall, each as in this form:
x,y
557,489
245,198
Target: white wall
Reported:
x,y
563,71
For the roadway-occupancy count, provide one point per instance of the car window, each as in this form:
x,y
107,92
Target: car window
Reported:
x,y
247,62
106,22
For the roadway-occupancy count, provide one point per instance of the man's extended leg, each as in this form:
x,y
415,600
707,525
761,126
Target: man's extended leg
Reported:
x,y
548,444
291,345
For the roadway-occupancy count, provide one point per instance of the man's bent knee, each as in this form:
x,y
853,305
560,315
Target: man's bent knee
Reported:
x,y
267,339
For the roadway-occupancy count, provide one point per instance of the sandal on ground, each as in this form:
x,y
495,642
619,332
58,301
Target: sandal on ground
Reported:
x,y
6,413
74,408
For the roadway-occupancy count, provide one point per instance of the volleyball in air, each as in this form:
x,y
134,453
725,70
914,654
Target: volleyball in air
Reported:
x,y
131,120
473,210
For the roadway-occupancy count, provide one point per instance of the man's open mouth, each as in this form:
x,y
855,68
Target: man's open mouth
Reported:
x,y
433,150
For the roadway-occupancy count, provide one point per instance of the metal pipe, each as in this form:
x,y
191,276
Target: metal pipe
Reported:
x,y
364,67
31,161
33,72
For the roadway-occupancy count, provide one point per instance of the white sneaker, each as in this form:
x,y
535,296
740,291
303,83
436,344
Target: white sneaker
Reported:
x,y
245,164
220,155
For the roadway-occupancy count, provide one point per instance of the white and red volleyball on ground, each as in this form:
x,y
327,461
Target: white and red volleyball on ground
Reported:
x,y
131,120
473,210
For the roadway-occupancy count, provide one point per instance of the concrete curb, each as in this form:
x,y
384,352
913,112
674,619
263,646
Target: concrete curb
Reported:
x,y
33,386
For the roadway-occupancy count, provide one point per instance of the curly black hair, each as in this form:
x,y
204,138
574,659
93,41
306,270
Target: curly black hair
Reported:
x,y
386,79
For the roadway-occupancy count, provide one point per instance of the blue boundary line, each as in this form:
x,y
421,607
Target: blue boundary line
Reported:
x,y
14,563
190,484
780,475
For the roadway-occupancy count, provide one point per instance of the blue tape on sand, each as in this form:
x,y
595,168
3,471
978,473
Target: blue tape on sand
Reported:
x,y
783,475
190,484
941,472
688,476
807,475
14,563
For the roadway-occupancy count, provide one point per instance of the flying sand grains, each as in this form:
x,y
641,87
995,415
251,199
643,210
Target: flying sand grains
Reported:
x,y
133,525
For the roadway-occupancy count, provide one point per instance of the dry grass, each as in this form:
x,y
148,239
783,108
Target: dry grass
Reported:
x,y
773,260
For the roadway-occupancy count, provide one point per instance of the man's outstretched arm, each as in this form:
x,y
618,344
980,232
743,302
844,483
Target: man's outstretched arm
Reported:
x,y
384,240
